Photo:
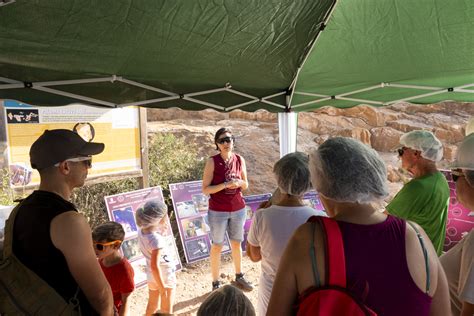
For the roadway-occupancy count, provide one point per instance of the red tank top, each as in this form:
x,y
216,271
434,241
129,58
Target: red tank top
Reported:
x,y
227,200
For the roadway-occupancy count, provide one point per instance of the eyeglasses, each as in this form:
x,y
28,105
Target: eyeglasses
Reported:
x,y
456,174
101,245
226,139
87,160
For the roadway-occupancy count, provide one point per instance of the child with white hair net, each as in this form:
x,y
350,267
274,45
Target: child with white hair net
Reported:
x,y
152,219
381,251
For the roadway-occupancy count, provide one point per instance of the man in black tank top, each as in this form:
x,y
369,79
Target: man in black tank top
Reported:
x,y
50,237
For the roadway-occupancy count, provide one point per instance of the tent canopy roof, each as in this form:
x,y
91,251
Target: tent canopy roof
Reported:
x,y
236,54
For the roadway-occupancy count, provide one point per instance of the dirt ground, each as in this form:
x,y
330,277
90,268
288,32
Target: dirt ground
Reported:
x,y
194,285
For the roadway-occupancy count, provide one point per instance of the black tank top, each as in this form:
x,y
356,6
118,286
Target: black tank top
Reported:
x,y
33,246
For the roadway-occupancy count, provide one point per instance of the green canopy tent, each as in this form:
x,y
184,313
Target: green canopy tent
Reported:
x,y
279,55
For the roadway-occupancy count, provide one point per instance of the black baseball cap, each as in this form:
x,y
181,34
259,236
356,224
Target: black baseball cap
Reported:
x,y
58,145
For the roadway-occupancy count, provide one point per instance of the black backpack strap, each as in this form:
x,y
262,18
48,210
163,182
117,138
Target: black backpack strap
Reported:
x,y
425,255
8,241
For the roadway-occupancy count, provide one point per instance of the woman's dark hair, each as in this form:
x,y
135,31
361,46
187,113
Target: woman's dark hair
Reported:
x,y
221,131
226,301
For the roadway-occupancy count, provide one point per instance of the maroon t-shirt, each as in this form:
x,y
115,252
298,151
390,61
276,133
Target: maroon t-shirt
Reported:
x,y
227,200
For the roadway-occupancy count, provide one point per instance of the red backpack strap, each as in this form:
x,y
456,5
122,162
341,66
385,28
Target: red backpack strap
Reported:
x,y
334,253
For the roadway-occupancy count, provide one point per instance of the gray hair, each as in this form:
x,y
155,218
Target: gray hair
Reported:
x,y
150,213
226,301
345,170
292,173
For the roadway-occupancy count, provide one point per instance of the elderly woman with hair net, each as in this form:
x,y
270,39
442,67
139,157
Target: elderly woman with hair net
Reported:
x,y
384,259
272,227
152,220
458,262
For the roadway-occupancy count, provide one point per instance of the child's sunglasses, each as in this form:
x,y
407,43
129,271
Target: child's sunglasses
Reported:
x,y
101,245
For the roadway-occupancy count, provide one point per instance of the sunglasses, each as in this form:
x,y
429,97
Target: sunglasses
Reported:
x,y
101,245
225,140
456,174
401,151
87,160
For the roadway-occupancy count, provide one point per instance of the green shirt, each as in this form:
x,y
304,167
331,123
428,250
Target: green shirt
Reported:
x,y
425,201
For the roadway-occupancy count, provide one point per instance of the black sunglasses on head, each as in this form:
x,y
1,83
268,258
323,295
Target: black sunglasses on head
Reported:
x,y
226,139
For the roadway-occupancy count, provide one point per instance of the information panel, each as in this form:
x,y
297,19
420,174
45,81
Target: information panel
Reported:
x,y
121,208
25,123
191,208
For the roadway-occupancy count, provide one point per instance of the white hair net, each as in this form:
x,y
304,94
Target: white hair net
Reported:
x,y
292,173
425,142
465,154
465,158
345,170
151,213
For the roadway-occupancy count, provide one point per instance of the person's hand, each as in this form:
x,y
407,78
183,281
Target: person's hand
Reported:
x,y
161,288
234,184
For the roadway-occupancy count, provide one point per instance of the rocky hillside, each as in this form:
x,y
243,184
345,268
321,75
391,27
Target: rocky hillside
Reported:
x,y
257,133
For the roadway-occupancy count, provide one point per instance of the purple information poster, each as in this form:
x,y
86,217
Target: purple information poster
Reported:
x,y
311,198
191,208
121,208
460,219
252,203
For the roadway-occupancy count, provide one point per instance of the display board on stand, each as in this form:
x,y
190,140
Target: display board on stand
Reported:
x,y
121,209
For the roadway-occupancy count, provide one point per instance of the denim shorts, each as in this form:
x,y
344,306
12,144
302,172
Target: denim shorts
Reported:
x,y
232,222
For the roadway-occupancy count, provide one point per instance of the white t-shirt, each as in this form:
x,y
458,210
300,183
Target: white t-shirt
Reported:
x,y
458,263
154,240
270,230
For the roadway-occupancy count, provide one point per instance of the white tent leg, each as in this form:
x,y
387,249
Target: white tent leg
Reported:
x,y
288,127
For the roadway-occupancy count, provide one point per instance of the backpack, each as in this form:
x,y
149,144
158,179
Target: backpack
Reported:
x,y
23,292
335,298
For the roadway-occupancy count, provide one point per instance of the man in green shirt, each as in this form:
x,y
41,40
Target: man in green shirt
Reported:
x,y
425,199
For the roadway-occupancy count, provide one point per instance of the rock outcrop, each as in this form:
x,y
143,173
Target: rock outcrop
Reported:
x,y
257,137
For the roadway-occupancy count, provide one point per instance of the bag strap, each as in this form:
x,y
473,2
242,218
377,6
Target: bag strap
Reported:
x,y
334,252
425,255
312,254
9,223
8,249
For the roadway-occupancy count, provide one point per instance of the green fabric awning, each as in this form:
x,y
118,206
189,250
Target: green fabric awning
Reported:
x,y
236,54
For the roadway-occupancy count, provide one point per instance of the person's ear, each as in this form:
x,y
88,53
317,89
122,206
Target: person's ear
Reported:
x,y
64,167
117,245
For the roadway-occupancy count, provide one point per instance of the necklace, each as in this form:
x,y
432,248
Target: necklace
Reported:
x,y
228,161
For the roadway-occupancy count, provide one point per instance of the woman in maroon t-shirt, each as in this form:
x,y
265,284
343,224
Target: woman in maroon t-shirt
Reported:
x,y
225,176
